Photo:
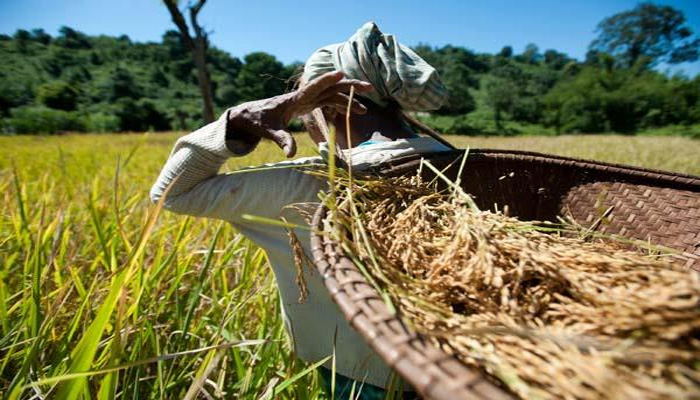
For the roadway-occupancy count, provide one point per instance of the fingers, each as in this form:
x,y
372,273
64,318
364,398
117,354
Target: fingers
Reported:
x,y
325,90
320,84
310,97
332,82
284,140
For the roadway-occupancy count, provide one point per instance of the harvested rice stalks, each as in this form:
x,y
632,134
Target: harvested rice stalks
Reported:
x,y
545,314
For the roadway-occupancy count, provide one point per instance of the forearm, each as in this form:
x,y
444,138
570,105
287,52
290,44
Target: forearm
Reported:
x,y
198,156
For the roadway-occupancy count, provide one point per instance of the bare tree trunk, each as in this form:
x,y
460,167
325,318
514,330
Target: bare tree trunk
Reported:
x,y
204,84
198,48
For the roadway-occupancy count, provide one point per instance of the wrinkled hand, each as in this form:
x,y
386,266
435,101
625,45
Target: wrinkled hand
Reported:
x,y
268,118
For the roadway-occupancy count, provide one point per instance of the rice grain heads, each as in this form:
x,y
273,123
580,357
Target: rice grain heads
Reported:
x,y
544,313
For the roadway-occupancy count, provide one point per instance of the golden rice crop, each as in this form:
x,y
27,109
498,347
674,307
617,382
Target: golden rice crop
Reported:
x,y
543,312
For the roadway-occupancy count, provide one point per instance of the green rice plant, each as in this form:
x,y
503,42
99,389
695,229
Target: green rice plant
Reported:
x,y
104,296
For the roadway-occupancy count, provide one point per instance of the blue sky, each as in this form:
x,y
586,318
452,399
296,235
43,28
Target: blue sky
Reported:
x,y
292,30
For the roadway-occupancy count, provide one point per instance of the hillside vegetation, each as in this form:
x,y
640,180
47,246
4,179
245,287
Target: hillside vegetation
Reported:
x,y
76,82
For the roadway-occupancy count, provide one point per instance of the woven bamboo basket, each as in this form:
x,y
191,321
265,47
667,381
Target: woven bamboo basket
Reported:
x,y
661,207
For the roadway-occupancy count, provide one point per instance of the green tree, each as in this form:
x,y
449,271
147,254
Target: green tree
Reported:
x,y
172,40
602,98
21,39
40,36
458,79
576,105
72,39
59,95
458,69
500,95
141,115
531,54
503,88
13,93
158,77
121,84
648,33
555,59
506,52
77,75
262,75
58,59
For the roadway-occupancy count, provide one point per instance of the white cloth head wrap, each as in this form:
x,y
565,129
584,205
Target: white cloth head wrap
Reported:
x,y
397,73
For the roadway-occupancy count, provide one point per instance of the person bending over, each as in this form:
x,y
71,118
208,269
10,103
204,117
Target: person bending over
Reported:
x,y
389,79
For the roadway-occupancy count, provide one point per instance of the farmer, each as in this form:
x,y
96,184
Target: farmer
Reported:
x,y
388,79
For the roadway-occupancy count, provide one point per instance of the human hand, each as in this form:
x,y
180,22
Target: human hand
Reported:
x,y
268,118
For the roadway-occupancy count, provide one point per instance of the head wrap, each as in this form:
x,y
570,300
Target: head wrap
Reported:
x,y
397,73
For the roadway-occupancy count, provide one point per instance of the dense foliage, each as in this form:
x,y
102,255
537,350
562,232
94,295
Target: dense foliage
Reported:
x,y
75,82
649,33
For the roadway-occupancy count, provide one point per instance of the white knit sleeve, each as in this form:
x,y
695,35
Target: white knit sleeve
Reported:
x,y
196,158
197,188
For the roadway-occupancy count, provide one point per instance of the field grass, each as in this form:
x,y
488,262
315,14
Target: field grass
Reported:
x,y
101,297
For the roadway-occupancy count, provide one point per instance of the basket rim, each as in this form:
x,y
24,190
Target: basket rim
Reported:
x,y
432,372
630,171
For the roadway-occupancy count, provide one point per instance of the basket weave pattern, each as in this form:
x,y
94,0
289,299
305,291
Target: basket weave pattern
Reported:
x,y
672,220
660,207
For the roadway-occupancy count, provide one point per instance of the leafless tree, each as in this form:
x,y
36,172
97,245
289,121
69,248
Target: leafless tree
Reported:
x,y
197,45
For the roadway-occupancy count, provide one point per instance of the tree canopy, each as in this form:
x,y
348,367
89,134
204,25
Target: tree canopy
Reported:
x,y
649,33
99,83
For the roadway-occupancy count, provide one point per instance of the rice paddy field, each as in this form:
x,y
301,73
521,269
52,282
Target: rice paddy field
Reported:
x,y
103,296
